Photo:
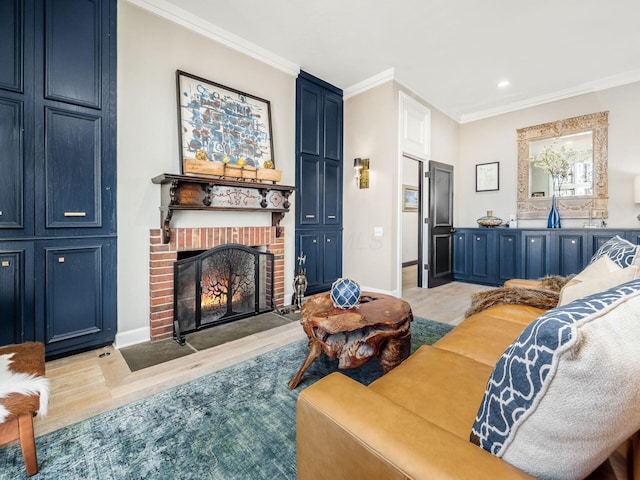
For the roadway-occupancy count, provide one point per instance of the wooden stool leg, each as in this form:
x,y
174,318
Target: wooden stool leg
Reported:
x,y
28,444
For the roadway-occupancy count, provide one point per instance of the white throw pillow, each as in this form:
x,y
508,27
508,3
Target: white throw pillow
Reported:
x,y
598,276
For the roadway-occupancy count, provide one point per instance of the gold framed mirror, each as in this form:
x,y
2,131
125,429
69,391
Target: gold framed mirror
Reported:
x,y
584,193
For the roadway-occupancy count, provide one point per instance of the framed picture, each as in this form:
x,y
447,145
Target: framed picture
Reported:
x,y
409,198
221,124
487,177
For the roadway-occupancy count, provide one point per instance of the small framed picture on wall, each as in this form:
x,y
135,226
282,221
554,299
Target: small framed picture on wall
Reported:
x,y
488,177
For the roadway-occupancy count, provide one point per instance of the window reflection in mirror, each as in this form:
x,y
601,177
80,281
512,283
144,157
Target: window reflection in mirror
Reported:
x,y
579,181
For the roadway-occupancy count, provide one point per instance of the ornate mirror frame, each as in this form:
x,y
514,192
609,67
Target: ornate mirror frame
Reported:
x,y
586,206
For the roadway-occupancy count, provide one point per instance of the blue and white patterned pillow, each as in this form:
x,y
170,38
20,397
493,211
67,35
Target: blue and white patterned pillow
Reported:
x,y
621,251
564,395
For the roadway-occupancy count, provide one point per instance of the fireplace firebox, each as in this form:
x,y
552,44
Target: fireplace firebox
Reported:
x,y
226,283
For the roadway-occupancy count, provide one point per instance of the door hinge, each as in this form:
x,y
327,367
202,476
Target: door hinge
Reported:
x,y
426,267
427,174
426,219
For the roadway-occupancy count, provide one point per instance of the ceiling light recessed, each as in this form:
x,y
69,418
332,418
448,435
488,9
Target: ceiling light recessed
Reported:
x,y
503,83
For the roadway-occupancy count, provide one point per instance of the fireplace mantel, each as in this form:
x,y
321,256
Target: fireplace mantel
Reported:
x,y
190,192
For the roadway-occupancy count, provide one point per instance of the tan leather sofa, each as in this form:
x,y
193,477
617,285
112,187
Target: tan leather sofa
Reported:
x,y
414,422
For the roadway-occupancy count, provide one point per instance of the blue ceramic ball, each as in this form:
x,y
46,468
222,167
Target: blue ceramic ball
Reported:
x,y
345,293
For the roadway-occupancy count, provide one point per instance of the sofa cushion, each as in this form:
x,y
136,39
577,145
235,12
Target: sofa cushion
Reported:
x,y
440,386
484,336
621,251
564,395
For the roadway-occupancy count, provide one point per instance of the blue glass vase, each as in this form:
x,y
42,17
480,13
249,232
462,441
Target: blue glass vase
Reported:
x,y
554,216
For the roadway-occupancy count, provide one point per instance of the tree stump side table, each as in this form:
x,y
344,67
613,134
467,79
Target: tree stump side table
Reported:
x,y
377,327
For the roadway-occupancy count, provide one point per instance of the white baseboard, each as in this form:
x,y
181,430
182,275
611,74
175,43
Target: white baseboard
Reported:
x,y
393,293
131,337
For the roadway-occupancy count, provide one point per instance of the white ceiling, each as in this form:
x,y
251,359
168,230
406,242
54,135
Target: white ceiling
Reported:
x,y
452,53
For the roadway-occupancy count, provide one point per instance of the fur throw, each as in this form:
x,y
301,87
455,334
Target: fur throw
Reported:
x,y
21,383
539,298
555,282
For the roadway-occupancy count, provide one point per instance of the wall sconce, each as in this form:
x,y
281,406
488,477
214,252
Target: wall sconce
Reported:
x,y
361,166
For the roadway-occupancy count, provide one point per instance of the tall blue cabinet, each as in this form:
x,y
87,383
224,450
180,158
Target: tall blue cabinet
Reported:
x,y
58,164
319,154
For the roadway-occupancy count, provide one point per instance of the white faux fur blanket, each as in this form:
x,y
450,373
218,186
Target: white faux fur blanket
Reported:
x,y
11,382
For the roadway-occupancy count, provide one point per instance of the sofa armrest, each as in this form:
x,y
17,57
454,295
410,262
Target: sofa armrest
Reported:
x,y
345,431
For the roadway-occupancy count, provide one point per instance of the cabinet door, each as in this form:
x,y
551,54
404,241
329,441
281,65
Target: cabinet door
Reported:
x,y
535,256
572,253
310,245
481,257
332,158
16,293
633,237
460,257
332,257
508,256
75,155
77,294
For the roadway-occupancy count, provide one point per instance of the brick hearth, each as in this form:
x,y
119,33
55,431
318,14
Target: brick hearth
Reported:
x,y
163,256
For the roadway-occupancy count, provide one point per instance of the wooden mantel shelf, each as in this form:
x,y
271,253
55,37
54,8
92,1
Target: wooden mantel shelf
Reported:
x,y
190,192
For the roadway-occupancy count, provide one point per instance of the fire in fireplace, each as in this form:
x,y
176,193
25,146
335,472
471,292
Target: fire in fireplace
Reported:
x,y
220,285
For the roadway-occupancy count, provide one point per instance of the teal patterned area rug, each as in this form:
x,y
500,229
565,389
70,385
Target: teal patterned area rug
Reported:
x,y
237,423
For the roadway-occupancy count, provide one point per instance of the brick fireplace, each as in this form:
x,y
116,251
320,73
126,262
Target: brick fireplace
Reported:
x,y
162,257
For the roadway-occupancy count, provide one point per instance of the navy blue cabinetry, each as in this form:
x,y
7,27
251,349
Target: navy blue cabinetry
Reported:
x,y
508,255
16,293
492,256
571,250
57,191
319,180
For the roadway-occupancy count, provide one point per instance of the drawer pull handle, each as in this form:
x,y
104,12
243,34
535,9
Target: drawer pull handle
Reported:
x,y
75,214
5,263
477,238
331,216
315,241
573,242
60,259
328,240
510,239
533,240
309,216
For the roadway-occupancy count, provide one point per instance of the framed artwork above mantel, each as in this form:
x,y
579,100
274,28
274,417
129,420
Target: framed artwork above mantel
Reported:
x,y
221,124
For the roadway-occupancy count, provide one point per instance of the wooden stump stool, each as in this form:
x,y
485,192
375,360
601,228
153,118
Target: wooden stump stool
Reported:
x,y
18,409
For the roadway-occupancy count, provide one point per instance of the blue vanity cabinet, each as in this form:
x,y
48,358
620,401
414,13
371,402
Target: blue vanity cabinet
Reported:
x,y
58,164
319,152
535,256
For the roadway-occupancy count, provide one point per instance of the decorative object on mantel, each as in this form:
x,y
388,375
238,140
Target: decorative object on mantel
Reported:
x,y
190,192
489,220
224,132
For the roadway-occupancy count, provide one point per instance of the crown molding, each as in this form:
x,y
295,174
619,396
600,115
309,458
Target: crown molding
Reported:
x,y
369,83
591,87
196,24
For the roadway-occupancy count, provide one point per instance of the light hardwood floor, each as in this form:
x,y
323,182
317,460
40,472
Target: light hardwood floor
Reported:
x,y
89,383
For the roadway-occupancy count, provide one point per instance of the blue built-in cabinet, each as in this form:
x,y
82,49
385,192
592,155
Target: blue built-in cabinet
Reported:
x,y
492,256
319,137
58,173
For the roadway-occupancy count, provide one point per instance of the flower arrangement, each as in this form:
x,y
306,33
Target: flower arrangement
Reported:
x,y
557,162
